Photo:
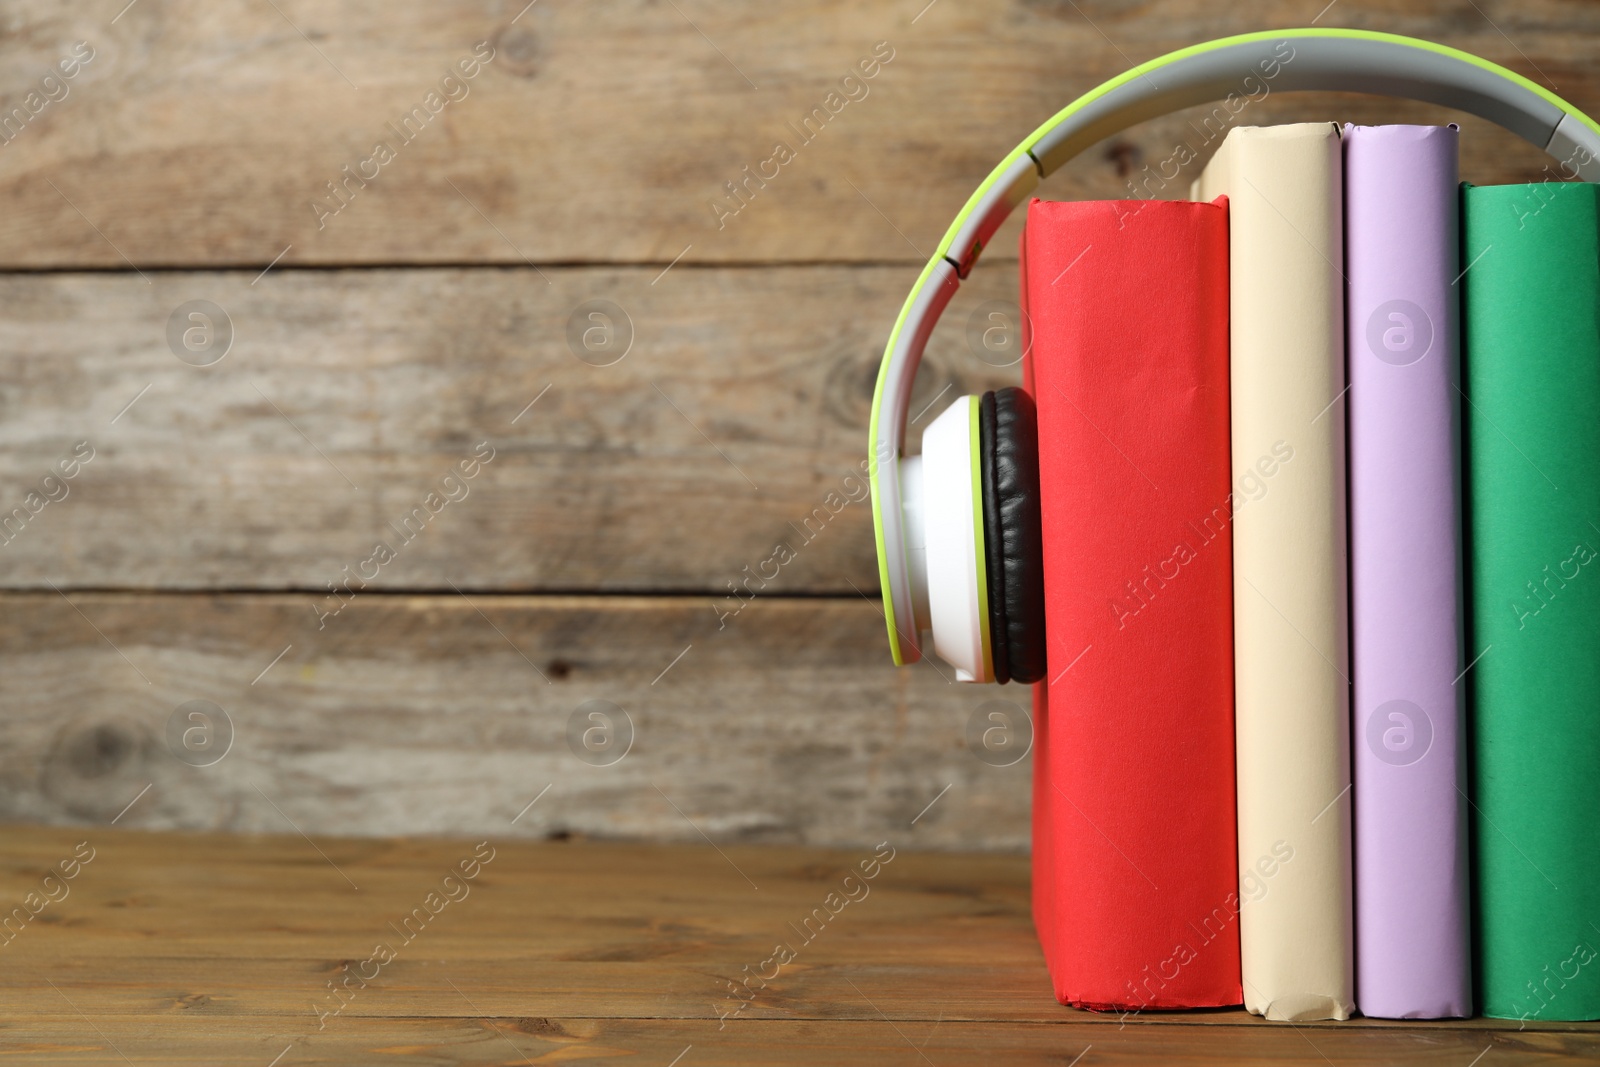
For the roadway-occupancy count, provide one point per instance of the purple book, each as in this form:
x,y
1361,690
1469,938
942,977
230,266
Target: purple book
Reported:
x,y
1408,743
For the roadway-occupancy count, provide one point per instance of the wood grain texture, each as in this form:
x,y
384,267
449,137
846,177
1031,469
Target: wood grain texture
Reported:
x,y
223,500
448,714
206,948
172,1039
734,423
201,135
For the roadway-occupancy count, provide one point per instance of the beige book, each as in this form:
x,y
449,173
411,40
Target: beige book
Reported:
x,y
1290,599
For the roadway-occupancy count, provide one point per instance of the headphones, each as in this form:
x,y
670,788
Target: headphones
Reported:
x,y
959,545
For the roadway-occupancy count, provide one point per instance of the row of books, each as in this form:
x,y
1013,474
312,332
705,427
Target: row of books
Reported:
x,y
1320,476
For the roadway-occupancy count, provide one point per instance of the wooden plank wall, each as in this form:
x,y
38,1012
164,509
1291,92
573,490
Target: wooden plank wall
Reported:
x,y
378,338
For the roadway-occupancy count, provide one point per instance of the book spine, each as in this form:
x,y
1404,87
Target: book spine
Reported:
x,y
1044,880
1531,256
1402,256
1290,598
1045,887
1134,797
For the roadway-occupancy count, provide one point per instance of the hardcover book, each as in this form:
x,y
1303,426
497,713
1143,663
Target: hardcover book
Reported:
x,y
1402,242
1531,256
1290,599
1136,894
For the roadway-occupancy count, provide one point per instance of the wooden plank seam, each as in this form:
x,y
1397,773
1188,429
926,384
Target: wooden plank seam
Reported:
x,y
785,952
453,887
452,488
853,489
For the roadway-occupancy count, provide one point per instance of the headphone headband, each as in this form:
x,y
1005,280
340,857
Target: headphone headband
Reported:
x,y
1291,60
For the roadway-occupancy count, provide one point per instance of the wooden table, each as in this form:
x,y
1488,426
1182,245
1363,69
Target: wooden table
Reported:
x,y
222,949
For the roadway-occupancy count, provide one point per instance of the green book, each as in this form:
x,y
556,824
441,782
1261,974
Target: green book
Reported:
x,y
1531,291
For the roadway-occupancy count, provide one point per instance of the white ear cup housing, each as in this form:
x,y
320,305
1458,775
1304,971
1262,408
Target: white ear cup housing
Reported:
x,y
952,536
916,548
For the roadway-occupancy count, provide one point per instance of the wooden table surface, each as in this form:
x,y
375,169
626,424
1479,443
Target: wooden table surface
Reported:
x,y
224,949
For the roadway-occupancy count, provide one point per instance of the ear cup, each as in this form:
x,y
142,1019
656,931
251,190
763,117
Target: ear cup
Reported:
x,y
953,541
1014,559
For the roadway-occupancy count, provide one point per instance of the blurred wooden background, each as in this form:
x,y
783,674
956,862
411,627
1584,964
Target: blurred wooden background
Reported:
x,y
373,349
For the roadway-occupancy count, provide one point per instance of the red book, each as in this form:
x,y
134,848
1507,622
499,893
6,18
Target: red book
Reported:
x,y
1136,889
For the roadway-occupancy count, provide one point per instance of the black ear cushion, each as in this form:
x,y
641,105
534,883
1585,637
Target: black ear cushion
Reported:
x,y
993,535
1013,550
